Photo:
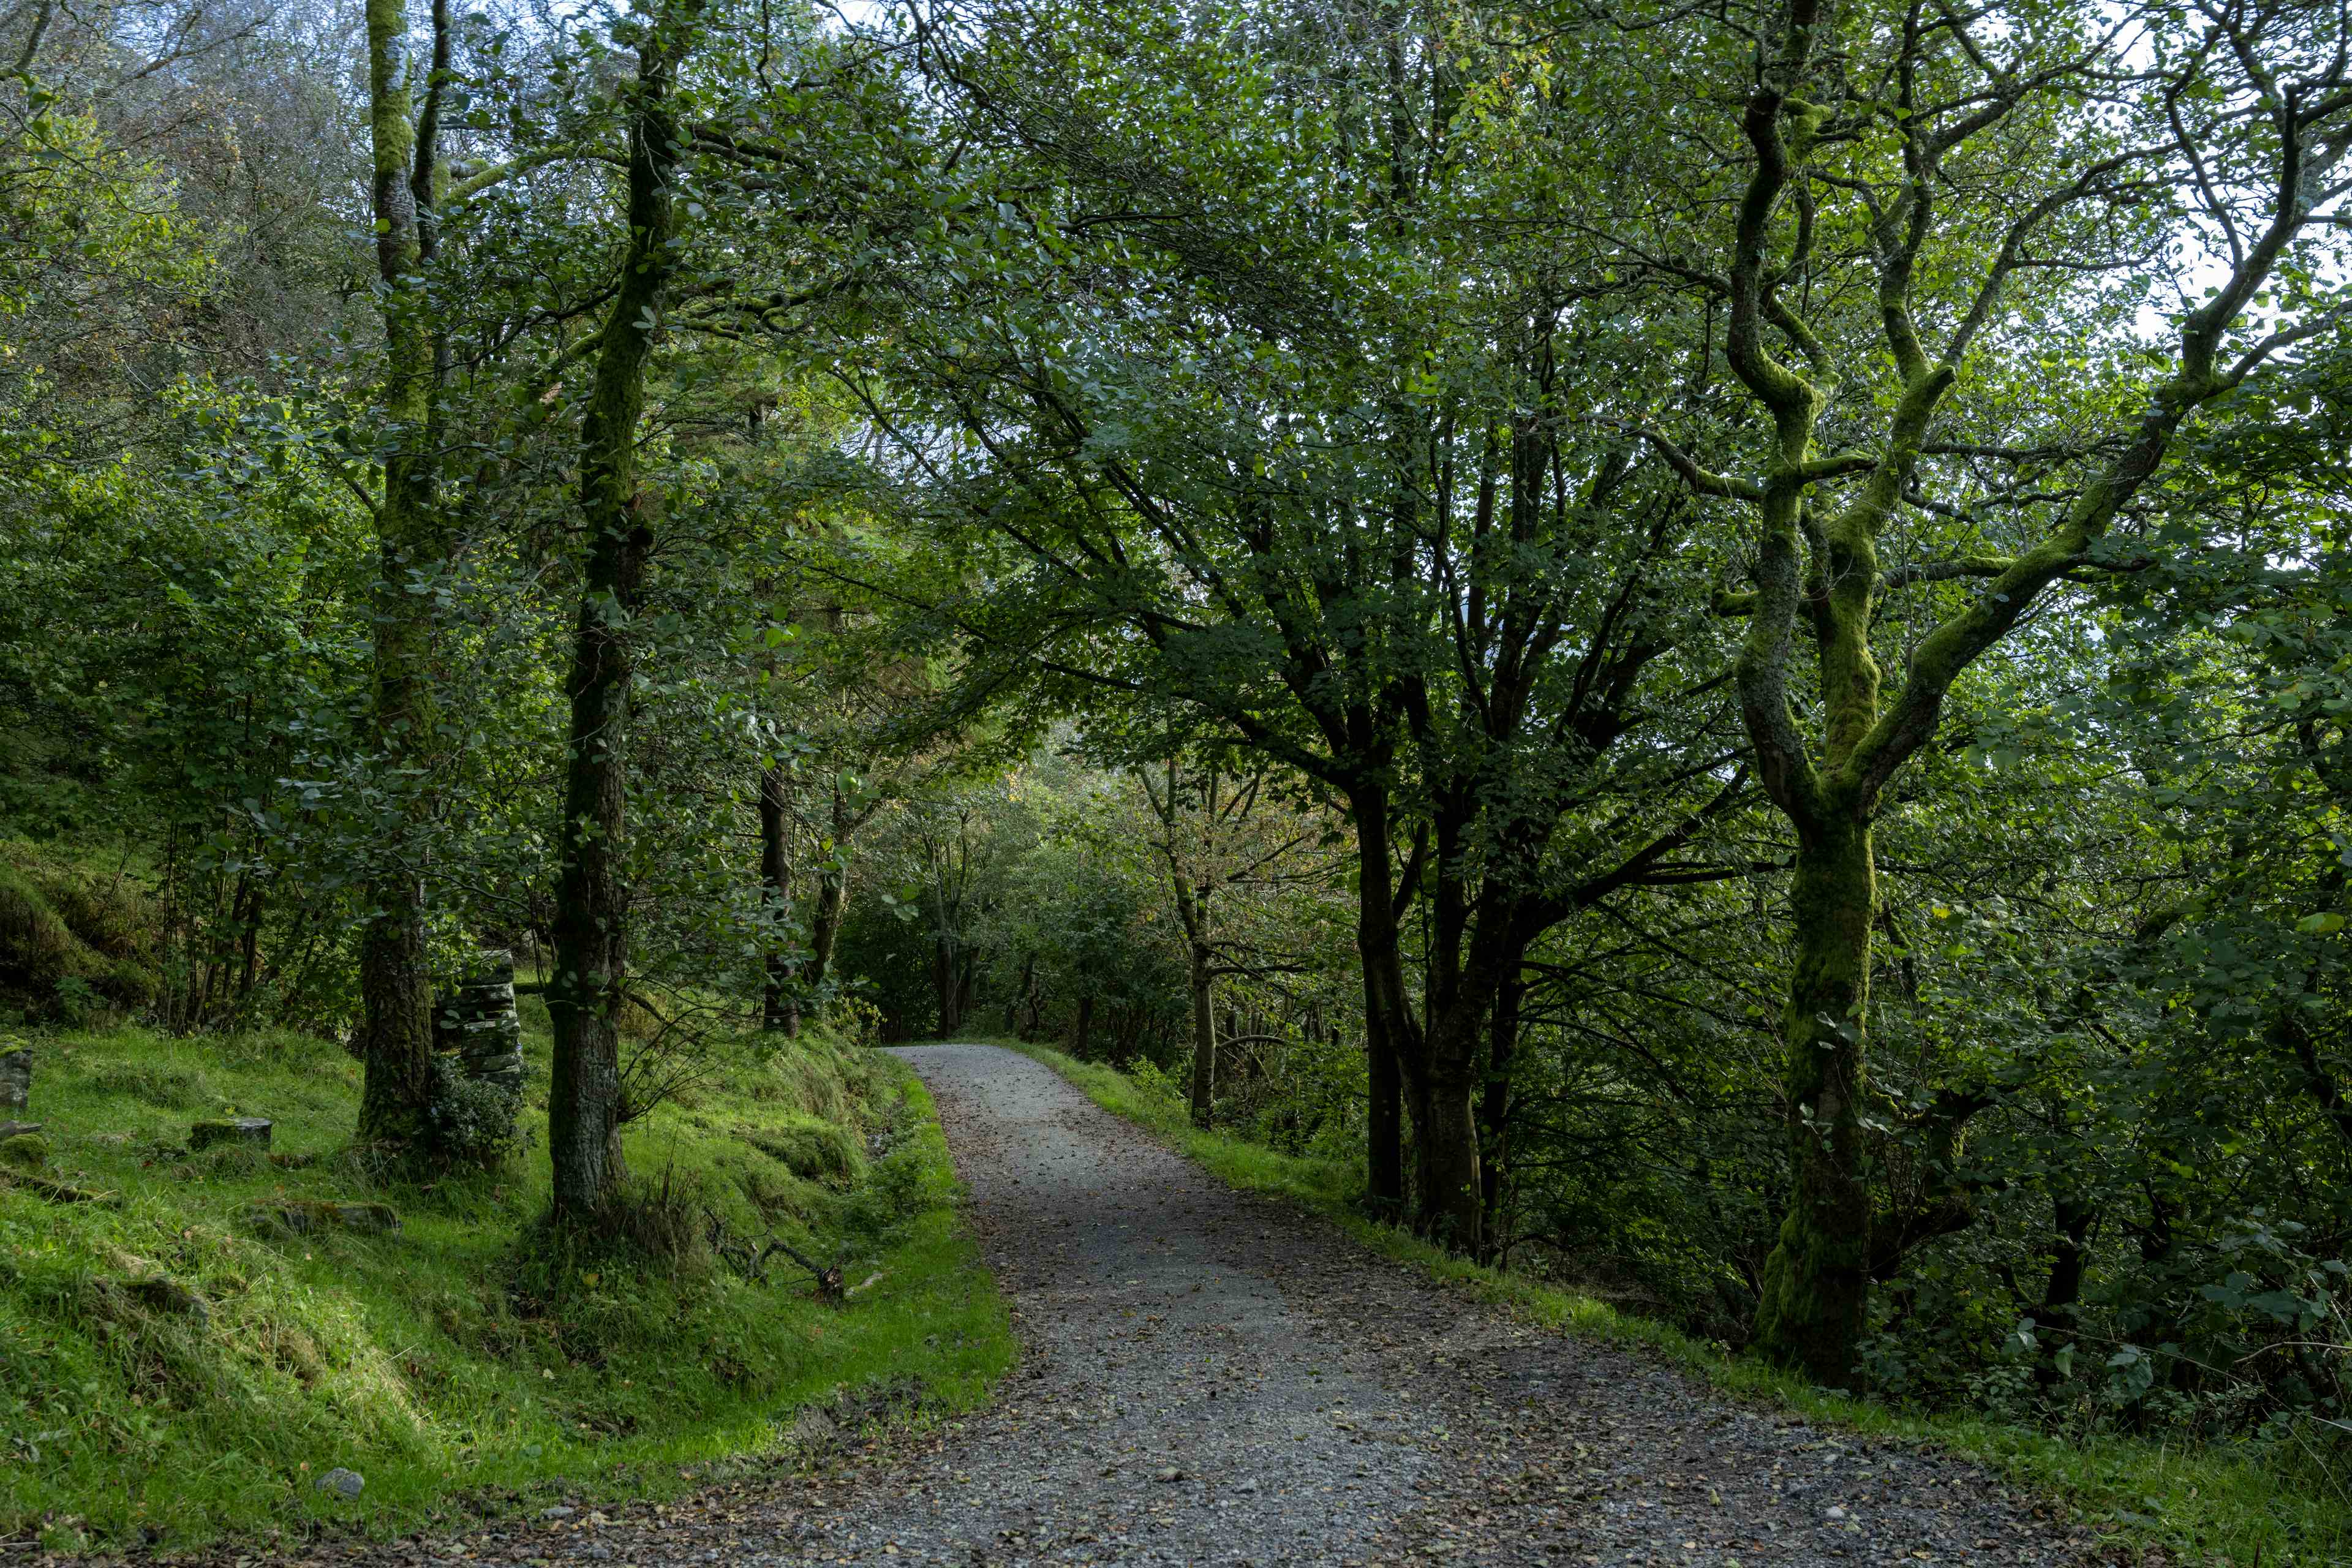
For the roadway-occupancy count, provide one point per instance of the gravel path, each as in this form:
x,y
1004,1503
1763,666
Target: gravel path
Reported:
x,y
1209,1378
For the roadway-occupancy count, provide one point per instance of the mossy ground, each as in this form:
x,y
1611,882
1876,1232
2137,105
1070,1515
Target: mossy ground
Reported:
x,y
2240,1507
455,1365
76,935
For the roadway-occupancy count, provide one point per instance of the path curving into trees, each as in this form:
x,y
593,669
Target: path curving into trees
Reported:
x,y
1317,1405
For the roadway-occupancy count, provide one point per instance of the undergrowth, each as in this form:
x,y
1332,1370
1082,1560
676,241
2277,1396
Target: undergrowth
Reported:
x,y
2202,1505
460,1366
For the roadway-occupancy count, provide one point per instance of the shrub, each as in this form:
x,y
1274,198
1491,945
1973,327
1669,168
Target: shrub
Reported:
x,y
475,1122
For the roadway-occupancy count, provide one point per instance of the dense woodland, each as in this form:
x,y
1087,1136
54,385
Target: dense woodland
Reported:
x,y
1711,639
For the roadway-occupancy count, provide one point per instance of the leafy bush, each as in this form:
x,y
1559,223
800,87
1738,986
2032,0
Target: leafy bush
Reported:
x,y
475,1122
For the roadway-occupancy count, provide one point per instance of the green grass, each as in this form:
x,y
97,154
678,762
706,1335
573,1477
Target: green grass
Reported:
x,y
453,1364
2207,1505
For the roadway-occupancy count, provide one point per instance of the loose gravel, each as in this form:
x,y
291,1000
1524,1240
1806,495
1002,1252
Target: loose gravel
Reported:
x,y
1210,1378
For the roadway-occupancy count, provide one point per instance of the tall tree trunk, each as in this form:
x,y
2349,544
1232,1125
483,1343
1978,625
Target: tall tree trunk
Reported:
x,y
779,1005
1377,953
2070,1220
1495,1108
1449,1197
249,944
1816,1284
1205,1038
585,1108
946,984
1023,1000
395,1035
1086,1027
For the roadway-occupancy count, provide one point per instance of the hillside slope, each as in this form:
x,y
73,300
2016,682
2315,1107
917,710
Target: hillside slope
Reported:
x,y
173,1364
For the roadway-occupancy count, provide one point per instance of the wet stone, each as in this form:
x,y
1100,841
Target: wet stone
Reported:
x,y
343,1483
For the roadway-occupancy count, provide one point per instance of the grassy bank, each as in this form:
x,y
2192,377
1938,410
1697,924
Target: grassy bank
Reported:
x,y
2199,1506
170,1373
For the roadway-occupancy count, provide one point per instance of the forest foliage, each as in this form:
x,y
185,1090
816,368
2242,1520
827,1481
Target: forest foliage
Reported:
x,y
1708,640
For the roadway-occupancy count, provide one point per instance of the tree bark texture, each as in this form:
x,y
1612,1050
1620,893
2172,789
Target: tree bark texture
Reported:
x,y
1204,1037
1816,1283
1494,1111
1376,950
584,1109
395,1043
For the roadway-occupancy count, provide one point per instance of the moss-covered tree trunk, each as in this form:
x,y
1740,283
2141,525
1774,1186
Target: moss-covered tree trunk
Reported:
x,y
824,923
1816,1283
395,1043
585,995
586,1109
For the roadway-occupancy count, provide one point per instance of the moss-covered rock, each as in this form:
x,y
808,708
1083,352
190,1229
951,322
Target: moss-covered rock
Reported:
x,y
293,1216
252,1130
25,1151
151,1292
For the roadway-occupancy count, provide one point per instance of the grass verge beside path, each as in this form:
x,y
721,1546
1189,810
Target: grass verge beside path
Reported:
x,y
2193,1506
170,1374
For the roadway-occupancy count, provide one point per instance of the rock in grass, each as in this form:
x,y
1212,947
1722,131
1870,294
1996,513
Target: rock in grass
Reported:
x,y
253,1130
343,1483
25,1150
161,1293
15,1079
303,1216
